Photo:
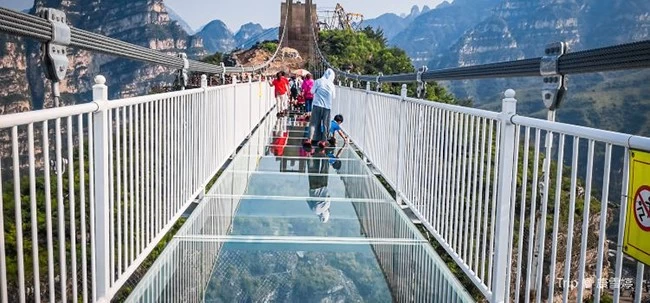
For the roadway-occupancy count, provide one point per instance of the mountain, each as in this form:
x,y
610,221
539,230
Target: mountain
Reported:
x,y
432,32
251,33
519,29
217,37
176,17
391,24
147,24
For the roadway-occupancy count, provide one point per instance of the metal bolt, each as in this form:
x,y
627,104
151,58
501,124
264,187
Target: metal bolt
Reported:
x,y
547,96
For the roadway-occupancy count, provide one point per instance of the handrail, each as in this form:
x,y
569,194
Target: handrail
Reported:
x,y
26,25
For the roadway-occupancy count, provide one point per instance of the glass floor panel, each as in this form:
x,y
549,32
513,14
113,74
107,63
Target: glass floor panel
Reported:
x,y
280,217
296,151
199,270
299,185
286,164
285,224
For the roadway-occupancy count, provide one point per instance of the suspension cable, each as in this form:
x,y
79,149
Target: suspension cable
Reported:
x,y
29,26
633,55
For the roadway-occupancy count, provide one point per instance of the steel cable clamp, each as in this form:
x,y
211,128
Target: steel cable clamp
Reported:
x,y
422,86
378,82
182,73
554,87
54,52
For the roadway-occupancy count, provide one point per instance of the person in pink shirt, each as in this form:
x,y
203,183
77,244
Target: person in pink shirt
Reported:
x,y
307,85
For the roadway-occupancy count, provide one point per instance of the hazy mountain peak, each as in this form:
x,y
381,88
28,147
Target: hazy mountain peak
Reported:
x,y
176,17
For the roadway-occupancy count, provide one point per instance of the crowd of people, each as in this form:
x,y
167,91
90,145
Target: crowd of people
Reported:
x,y
314,100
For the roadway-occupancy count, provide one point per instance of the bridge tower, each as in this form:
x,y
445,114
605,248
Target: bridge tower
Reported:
x,y
299,33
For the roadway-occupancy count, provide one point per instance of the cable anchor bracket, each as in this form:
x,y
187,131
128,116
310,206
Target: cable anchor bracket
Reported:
x,y
182,73
378,80
555,86
54,52
422,86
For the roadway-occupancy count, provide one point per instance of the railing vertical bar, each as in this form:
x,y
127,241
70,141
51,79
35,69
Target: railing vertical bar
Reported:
x,y
91,204
461,189
556,214
533,210
585,220
72,201
4,295
479,220
638,283
33,212
522,211
132,192
447,178
474,208
513,208
495,184
18,213
486,213
546,171
118,194
60,214
467,189
455,174
125,188
572,207
618,270
82,208
602,227
111,193
439,153
132,236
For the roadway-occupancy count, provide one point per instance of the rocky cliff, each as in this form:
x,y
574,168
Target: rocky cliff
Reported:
x,y
142,22
251,33
431,33
14,96
392,24
217,37
519,29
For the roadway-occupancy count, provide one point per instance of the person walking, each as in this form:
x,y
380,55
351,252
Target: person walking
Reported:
x,y
281,86
306,87
319,125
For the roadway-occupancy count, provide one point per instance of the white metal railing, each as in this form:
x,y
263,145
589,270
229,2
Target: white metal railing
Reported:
x,y
477,181
89,190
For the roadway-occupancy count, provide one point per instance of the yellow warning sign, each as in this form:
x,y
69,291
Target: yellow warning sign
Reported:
x,y
636,240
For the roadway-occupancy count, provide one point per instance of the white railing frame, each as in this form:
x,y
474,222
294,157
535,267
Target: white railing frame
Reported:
x,y
109,276
496,288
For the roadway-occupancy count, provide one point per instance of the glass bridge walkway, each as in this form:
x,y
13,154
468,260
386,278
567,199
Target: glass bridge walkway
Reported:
x,y
285,225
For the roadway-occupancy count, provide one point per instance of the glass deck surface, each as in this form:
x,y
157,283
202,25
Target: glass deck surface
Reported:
x,y
286,224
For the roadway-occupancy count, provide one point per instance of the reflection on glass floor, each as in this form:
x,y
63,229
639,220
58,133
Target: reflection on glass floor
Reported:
x,y
283,224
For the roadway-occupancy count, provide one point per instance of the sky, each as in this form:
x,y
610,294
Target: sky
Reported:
x,y
266,12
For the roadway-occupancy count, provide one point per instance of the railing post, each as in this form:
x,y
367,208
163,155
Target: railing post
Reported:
x,y
250,106
504,195
400,143
101,195
234,115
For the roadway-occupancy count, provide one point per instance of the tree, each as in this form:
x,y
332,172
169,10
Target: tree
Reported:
x,y
366,52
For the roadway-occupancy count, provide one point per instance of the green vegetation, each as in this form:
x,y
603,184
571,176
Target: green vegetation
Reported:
x,y
141,271
215,58
269,46
367,52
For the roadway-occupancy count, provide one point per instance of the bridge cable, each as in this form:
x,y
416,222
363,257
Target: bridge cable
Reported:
x,y
30,26
633,55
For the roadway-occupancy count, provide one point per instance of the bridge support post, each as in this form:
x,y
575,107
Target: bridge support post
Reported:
x,y
234,116
503,230
400,148
250,107
101,177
